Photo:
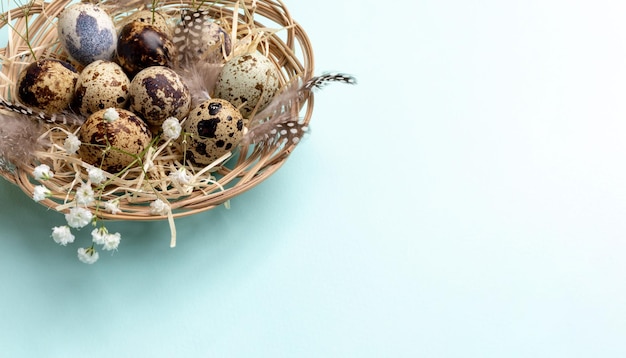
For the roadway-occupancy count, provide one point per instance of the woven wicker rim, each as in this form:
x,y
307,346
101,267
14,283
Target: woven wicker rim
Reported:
x,y
288,48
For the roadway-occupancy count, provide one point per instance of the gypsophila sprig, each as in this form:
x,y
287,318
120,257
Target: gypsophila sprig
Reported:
x,y
112,206
40,193
171,128
98,234
62,235
88,255
78,217
181,176
111,115
71,144
42,172
96,175
159,207
84,195
111,241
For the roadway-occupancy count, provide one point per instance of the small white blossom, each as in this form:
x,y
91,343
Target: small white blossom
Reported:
x,y
158,207
171,128
96,175
84,195
180,176
78,217
111,241
112,206
42,172
111,115
41,192
88,255
62,235
71,144
98,235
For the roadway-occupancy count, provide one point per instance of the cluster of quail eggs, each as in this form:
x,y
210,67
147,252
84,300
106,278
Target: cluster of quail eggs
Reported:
x,y
123,77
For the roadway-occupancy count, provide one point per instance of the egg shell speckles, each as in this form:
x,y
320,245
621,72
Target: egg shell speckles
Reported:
x,y
215,128
157,93
141,45
247,81
127,134
47,85
87,33
101,85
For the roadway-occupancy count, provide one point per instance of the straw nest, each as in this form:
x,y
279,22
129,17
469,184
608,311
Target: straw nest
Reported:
x,y
265,24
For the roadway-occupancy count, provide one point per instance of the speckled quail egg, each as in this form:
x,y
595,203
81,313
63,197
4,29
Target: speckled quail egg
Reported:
x,y
101,85
157,93
122,130
87,33
47,85
215,127
141,45
248,82
154,18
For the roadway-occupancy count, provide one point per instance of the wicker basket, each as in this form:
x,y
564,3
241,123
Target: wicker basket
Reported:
x,y
288,48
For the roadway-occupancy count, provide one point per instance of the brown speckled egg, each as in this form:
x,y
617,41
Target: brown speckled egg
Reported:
x,y
127,135
215,128
154,18
141,45
157,93
47,85
247,81
101,85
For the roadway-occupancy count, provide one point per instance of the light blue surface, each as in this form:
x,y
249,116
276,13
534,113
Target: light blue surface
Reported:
x,y
466,199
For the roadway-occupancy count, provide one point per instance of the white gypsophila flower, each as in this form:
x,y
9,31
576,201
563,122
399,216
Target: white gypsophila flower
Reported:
x,y
98,235
88,255
112,206
111,241
40,193
78,217
62,235
180,176
158,207
96,175
84,195
111,115
42,172
71,144
171,128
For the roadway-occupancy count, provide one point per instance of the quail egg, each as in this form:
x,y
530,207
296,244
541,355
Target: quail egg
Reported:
x,y
248,82
47,85
87,33
112,138
101,85
215,128
141,45
157,93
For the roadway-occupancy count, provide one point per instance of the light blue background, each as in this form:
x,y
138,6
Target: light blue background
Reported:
x,y
466,199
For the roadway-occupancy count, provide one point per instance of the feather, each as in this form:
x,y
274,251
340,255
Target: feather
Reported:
x,y
200,79
323,80
198,38
65,118
279,121
201,46
19,139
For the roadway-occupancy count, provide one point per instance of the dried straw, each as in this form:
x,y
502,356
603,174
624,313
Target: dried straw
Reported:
x,y
265,25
